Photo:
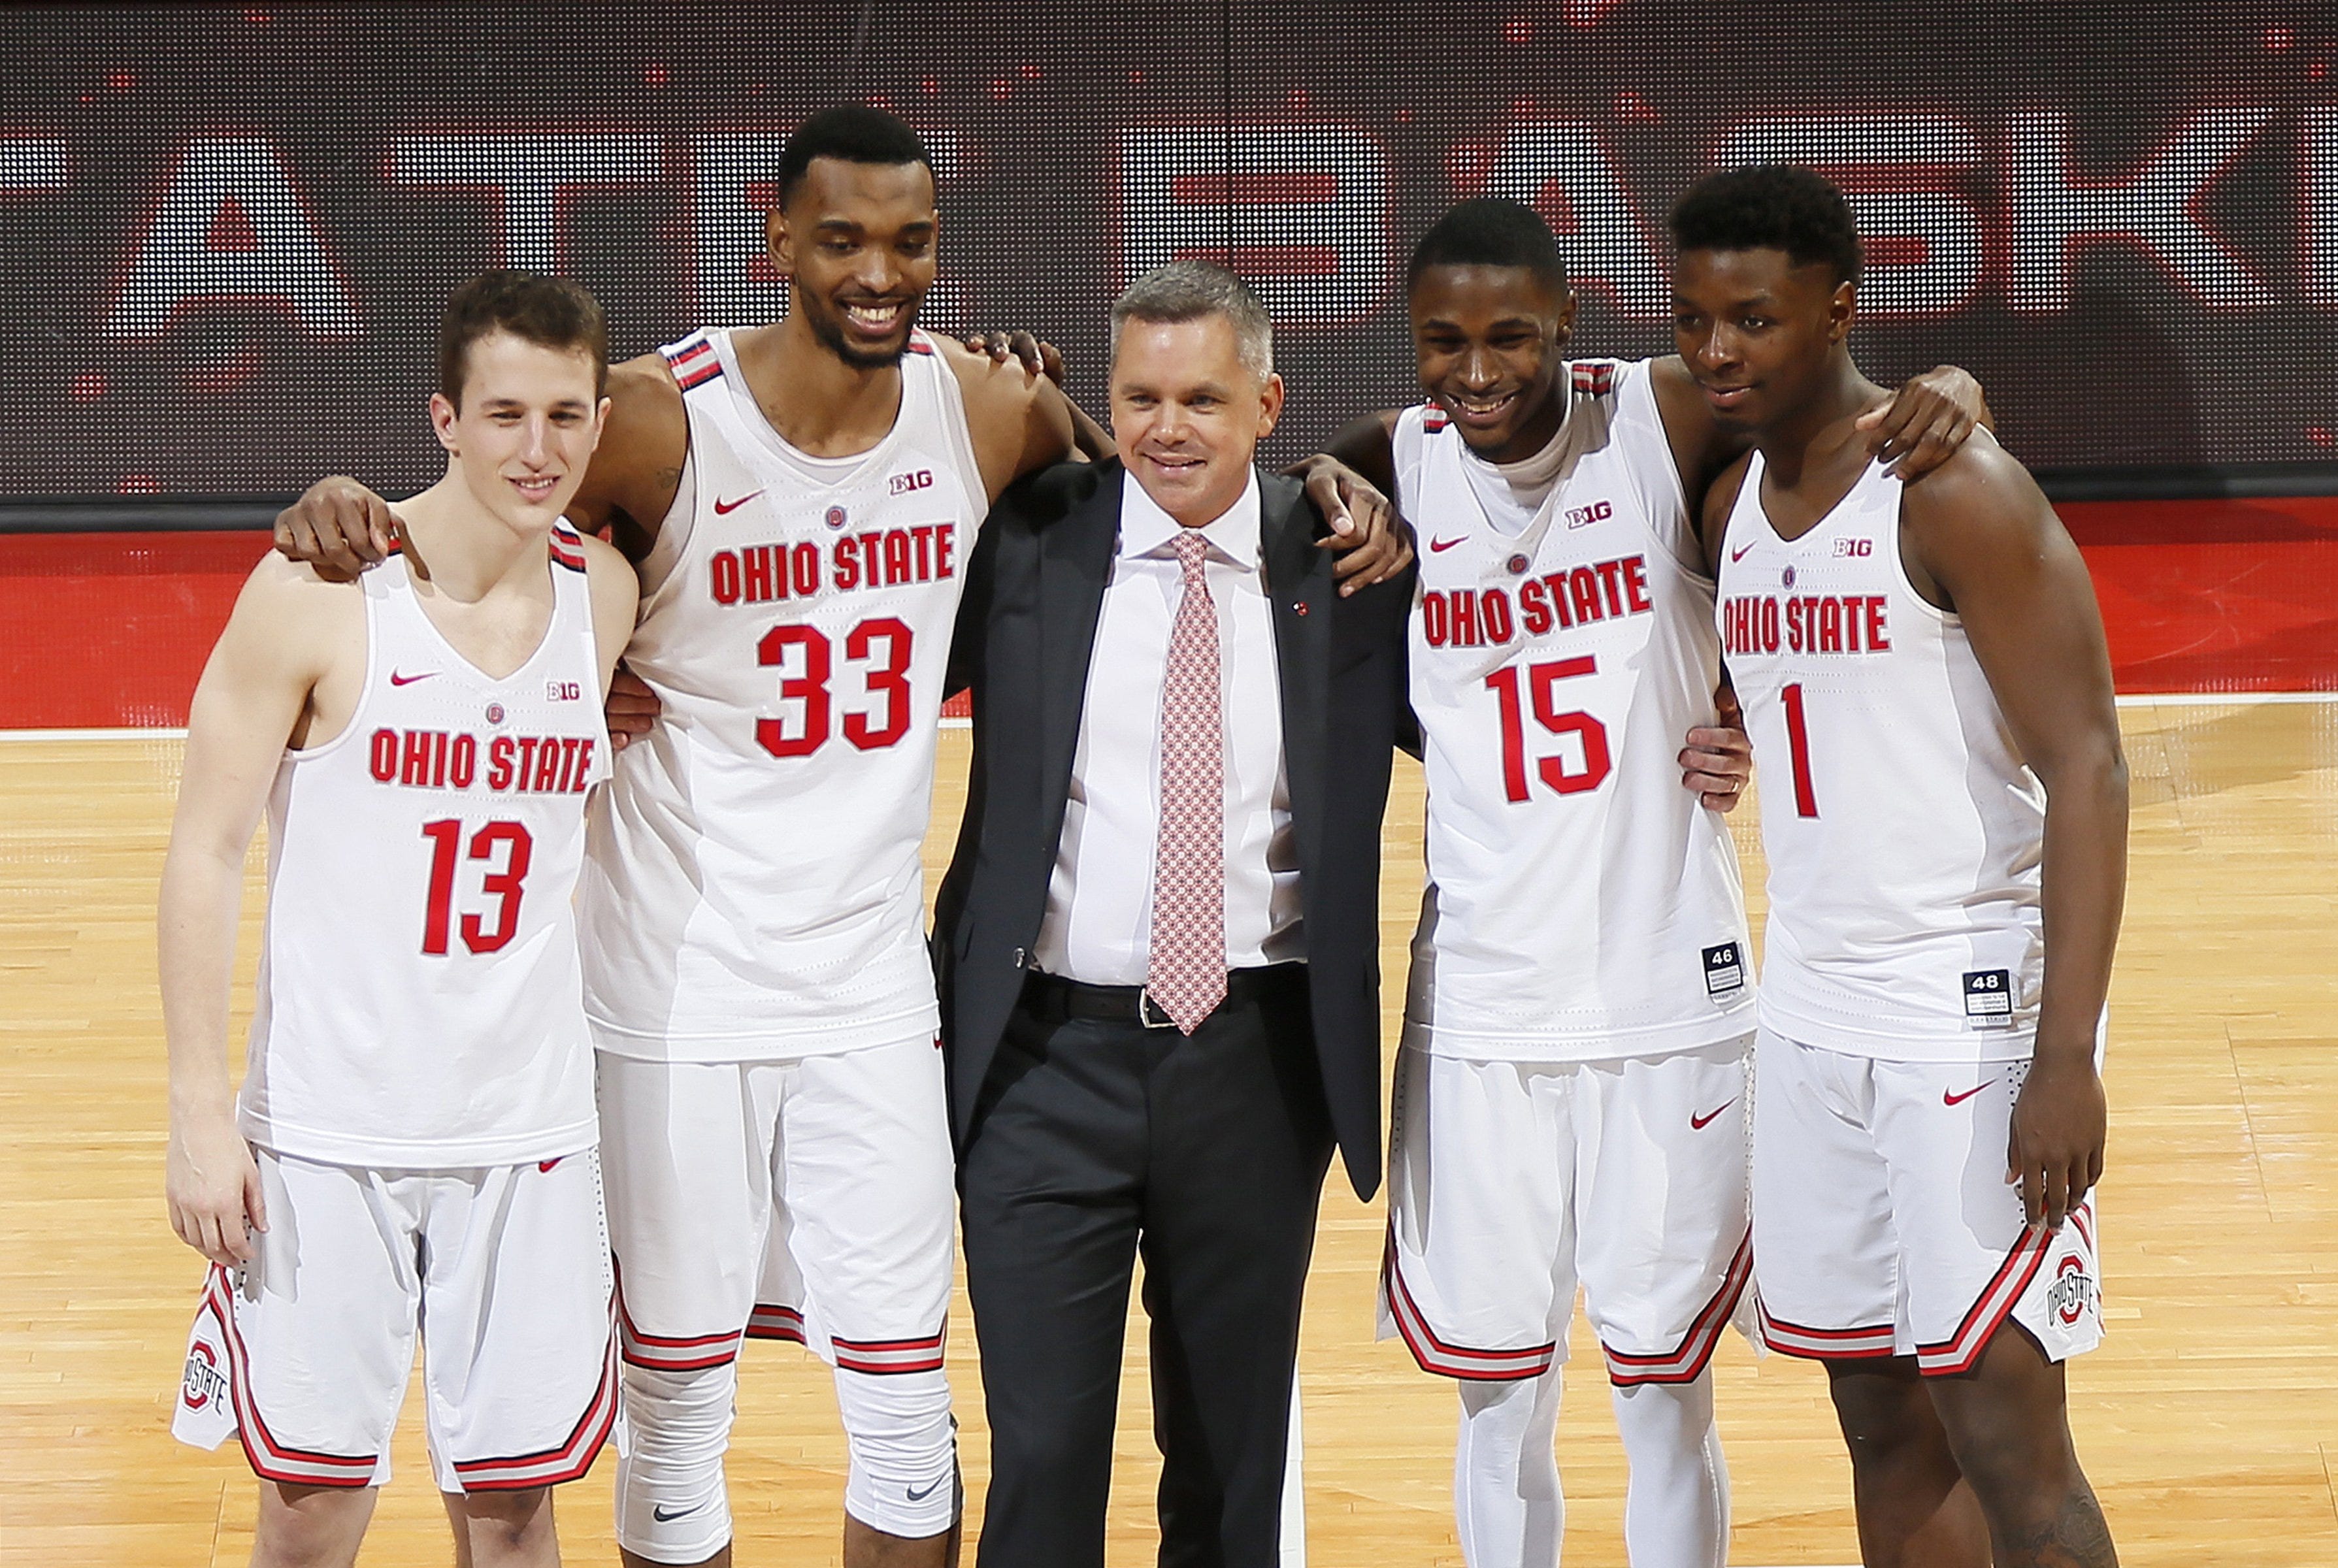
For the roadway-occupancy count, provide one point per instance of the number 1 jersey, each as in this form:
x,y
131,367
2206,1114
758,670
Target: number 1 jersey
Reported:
x,y
419,1007
755,887
1582,904
1904,833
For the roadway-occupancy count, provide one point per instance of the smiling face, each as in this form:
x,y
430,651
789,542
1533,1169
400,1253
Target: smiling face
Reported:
x,y
529,419
1757,330
857,243
1487,341
1188,415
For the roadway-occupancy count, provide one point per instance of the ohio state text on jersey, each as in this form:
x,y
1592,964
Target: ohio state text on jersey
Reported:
x,y
1581,904
419,1004
755,887
1903,830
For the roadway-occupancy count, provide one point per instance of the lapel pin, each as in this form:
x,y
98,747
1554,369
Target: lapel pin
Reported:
x,y
1298,607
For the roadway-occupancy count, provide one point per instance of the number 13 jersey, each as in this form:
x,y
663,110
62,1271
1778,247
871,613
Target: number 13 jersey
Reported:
x,y
1582,904
418,1005
755,887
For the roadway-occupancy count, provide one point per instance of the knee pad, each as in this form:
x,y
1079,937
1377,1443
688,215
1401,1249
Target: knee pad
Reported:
x,y
903,1443
672,1506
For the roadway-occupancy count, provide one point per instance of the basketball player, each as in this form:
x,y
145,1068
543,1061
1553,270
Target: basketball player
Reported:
x,y
414,1144
1944,811
1571,1089
800,501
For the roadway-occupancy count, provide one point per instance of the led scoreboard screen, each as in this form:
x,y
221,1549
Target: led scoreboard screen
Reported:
x,y
229,230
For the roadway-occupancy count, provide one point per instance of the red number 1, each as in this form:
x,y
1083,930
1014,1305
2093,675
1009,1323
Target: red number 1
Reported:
x,y
1798,747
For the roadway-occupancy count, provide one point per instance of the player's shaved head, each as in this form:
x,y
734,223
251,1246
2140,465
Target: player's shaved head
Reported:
x,y
1771,207
1491,231
851,133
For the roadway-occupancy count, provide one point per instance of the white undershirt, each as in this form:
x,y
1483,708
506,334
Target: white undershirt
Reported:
x,y
1513,493
1098,925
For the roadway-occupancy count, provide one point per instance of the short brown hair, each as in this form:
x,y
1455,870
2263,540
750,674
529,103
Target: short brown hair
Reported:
x,y
550,312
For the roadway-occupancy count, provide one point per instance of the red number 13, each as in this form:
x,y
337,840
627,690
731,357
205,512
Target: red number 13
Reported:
x,y
505,886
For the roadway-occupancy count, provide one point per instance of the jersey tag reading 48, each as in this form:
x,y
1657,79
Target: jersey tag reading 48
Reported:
x,y
1988,998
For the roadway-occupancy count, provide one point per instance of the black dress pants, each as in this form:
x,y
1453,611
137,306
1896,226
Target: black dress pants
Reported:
x,y
1097,1140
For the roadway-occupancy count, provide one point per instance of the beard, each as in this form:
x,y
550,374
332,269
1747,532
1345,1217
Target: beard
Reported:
x,y
830,332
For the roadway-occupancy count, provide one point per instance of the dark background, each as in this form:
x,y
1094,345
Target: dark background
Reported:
x,y
1081,144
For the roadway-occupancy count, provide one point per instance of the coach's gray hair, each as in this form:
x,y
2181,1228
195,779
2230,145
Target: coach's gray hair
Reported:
x,y
1189,291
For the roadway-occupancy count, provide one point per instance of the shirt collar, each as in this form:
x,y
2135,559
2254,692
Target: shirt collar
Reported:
x,y
1146,530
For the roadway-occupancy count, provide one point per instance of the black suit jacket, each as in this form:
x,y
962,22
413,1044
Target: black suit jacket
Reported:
x,y
1035,589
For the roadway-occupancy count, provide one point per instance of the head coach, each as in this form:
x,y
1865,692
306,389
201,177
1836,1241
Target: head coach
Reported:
x,y
1158,940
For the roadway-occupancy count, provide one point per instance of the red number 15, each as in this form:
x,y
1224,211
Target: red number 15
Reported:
x,y
1542,685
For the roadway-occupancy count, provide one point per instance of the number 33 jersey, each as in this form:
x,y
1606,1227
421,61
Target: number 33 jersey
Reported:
x,y
755,887
418,1005
1582,904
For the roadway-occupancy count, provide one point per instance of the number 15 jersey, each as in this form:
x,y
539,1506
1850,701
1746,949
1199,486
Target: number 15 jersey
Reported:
x,y
1582,904
754,888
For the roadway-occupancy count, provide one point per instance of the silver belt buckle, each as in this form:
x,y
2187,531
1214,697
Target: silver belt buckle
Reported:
x,y
1146,1009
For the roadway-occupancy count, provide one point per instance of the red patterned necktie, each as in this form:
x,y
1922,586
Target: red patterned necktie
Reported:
x,y
1185,973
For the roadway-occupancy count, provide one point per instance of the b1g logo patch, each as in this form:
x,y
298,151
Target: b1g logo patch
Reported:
x,y
1988,999
1725,970
1584,516
2072,1295
203,1381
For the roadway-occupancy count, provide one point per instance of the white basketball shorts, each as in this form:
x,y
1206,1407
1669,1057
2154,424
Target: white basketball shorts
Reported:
x,y
1882,1221
810,1198
304,1352
1511,1181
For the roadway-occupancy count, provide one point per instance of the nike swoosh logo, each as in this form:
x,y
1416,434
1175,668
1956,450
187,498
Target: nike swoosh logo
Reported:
x,y
725,508
662,1517
548,1164
1948,1099
1441,545
397,680
917,1496
1739,554
1699,1124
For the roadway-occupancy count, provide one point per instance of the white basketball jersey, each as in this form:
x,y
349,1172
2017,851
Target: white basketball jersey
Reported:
x,y
755,888
419,1004
1581,902
1902,828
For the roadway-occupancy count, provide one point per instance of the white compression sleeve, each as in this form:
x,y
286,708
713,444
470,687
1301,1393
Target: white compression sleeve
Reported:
x,y
1506,1497
902,1475
672,1506
1677,1509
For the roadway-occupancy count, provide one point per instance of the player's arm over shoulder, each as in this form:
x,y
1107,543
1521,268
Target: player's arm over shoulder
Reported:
x,y
616,593
636,470
1020,423
1368,444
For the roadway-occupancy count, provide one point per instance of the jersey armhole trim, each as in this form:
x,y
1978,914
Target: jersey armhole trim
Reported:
x,y
1942,618
372,664
957,431
1638,382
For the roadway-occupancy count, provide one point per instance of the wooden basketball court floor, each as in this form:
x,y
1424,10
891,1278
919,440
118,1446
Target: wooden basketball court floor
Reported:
x,y
2209,1421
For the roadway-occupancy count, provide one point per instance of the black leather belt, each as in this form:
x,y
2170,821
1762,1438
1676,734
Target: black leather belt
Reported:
x,y
1053,998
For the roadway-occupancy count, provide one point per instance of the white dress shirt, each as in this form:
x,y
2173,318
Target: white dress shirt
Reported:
x,y
1099,921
